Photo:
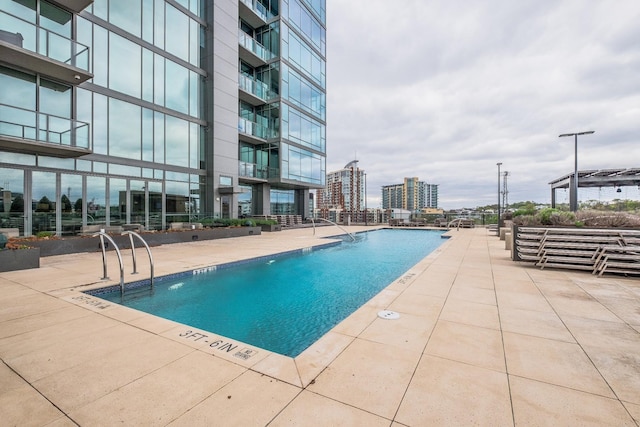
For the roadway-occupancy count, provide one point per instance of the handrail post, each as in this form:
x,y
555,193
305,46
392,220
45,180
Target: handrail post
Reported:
x,y
102,235
151,265
133,254
104,258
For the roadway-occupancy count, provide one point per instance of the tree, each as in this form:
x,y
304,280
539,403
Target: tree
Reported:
x,y
44,205
77,206
66,203
17,205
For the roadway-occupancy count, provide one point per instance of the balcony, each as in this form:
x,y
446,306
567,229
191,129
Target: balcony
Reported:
x,y
254,13
252,52
34,48
254,91
251,170
75,6
255,132
255,172
31,132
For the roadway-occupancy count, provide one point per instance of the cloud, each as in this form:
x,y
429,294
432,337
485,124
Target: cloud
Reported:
x,y
444,90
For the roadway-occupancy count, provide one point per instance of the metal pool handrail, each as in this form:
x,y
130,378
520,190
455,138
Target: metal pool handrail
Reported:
x,y
331,222
133,253
102,235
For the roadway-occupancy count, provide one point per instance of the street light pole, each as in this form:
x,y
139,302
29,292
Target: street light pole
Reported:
x,y
573,195
499,164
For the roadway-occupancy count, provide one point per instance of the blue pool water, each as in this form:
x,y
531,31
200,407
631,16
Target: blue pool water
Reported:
x,y
284,304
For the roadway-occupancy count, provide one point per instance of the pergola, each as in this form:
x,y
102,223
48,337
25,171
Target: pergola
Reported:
x,y
596,178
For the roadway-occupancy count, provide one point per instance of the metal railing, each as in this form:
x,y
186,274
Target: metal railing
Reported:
x,y
330,222
37,39
133,253
27,124
103,235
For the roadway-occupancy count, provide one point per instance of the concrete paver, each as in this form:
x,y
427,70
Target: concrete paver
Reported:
x,y
449,393
480,340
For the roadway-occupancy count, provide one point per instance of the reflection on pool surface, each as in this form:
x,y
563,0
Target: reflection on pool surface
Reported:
x,y
285,303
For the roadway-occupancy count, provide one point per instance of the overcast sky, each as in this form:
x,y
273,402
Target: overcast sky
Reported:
x,y
445,89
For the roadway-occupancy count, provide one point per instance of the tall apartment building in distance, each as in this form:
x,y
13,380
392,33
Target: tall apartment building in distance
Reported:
x,y
411,195
116,112
344,193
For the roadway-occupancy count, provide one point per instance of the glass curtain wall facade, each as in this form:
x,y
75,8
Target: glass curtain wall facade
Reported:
x,y
282,105
110,114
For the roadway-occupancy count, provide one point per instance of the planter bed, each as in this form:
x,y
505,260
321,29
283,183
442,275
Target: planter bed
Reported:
x,y
70,245
19,259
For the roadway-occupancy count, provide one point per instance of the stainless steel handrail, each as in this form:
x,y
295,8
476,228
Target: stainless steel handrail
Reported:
x,y
330,222
102,235
133,253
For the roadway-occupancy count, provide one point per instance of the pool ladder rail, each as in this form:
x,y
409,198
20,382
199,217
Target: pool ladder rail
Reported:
x,y
353,238
103,235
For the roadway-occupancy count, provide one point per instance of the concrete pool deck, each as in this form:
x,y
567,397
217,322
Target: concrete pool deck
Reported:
x,y
481,340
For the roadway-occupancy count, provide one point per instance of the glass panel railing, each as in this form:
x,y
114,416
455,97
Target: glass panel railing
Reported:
x,y
252,45
252,170
259,9
247,169
36,126
42,41
255,87
252,128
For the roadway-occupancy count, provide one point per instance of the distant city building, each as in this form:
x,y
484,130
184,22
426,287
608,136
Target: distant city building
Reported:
x,y
344,193
392,196
412,195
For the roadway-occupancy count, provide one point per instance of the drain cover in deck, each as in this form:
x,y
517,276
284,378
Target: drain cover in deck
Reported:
x,y
388,314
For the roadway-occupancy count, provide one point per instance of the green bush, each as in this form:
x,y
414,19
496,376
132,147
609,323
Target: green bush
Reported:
x,y
44,234
545,215
524,211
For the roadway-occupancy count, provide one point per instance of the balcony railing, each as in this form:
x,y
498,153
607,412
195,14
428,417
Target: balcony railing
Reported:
x,y
33,125
259,9
37,39
256,87
255,129
252,170
252,45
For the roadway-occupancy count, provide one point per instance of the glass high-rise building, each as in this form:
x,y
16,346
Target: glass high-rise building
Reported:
x,y
150,112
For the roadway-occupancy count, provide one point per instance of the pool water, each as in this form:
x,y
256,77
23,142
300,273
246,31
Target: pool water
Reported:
x,y
284,304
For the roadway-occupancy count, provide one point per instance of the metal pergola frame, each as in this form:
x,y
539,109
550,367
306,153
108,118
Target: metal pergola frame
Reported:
x,y
596,178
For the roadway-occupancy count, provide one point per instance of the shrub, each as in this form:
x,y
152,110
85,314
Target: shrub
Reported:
x,y
527,220
594,219
524,211
608,219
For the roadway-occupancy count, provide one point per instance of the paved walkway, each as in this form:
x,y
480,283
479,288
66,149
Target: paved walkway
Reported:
x,y
481,340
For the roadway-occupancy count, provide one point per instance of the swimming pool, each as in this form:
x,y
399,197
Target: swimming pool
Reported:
x,y
285,303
